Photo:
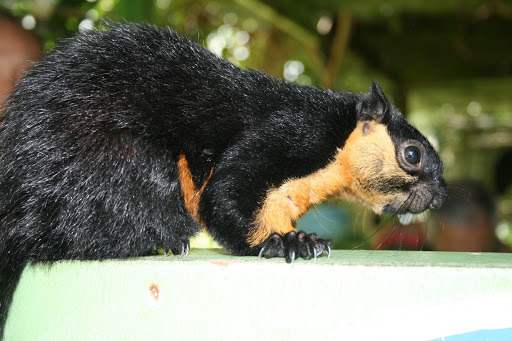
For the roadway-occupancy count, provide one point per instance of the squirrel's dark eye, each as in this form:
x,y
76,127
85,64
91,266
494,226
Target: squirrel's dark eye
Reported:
x,y
412,155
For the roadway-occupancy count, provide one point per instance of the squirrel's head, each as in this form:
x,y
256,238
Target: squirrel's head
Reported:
x,y
389,165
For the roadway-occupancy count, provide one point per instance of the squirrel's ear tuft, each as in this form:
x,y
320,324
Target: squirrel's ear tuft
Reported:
x,y
373,105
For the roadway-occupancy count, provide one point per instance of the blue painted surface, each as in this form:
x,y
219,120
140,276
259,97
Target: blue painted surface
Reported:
x,y
481,335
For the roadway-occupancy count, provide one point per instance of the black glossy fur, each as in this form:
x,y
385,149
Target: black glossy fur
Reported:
x,y
90,140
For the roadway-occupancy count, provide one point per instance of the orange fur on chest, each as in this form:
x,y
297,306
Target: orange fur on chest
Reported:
x,y
285,204
191,195
367,158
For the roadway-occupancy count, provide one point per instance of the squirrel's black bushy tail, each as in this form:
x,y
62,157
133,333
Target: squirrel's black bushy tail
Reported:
x,y
12,262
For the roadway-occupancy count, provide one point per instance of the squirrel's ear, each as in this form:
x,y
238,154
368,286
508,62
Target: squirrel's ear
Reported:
x,y
373,105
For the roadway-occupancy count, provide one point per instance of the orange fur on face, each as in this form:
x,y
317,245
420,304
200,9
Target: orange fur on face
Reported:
x,y
190,194
367,158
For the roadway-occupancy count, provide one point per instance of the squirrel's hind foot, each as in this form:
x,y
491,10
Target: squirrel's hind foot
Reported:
x,y
181,248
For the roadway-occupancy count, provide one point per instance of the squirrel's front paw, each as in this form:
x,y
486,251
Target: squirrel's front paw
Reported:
x,y
294,244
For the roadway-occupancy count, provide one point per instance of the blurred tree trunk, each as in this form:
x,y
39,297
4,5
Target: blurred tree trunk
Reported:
x,y
338,49
275,52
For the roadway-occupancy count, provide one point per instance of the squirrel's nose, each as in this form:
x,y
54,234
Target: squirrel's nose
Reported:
x,y
439,194
436,202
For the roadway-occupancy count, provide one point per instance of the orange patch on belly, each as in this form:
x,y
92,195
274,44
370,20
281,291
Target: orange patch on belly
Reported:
x,y
191,195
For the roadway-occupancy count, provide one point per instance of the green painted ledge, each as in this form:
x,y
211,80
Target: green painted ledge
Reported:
x,y
209,295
